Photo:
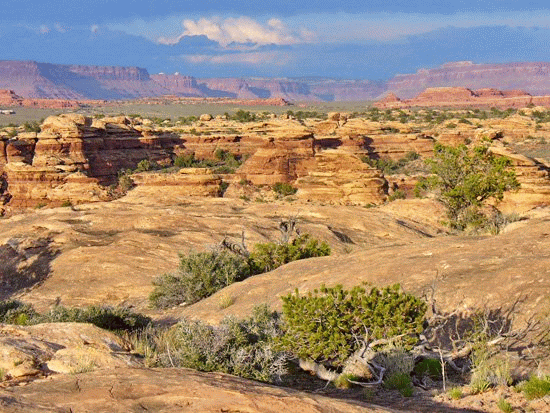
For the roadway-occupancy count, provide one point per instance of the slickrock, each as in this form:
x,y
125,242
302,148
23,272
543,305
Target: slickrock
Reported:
x,y
338,177
109,252
60,348
167,390
461,271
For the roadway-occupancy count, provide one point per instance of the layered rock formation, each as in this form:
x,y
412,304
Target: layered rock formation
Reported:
x,y
10,98
533,77
73,156
199,182
534,178
464,97
77,82
179,85
282,156
338,177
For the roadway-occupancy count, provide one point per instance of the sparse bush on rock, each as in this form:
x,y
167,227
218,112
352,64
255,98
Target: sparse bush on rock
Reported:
x,y
108,318
284,189
266,257
243,347
16,312
199,275
202,274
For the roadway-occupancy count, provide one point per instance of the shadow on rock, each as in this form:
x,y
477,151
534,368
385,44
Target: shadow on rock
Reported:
x,y
24,263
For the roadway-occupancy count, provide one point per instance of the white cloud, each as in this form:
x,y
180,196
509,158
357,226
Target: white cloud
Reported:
x,y
270,58
240,30
44,29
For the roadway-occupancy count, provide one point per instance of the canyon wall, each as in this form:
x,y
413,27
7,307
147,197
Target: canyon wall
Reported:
x,y
77,82
532,77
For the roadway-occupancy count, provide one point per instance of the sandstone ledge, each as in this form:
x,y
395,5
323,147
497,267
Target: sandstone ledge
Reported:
x,y
167,390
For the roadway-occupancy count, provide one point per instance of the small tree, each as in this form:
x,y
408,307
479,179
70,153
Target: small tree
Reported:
x,y
330,324
466,178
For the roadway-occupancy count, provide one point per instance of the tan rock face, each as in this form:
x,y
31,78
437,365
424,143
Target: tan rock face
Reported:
x,y
188,182
73,155
338,177
534,179
60,348
281,157
167,390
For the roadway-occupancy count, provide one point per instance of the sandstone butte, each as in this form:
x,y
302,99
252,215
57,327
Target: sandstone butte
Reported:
x,y
458,97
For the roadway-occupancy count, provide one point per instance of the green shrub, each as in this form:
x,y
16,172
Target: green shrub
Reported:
x,y
389,166
504,405
202,274
144,165
397,194
125,181
284,189
241,347
16,312
199,276
401,382
32,127
455,393
429,367
184,160
465,179
108,318
266,257
325,324
535,387
243,116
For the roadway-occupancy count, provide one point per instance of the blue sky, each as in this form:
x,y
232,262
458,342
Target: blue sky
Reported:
x,y
368,39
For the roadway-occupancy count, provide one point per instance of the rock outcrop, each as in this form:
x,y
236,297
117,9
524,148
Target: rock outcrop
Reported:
x,y
281,158
10,98
43,349
193,182
73,157
338,177
534,178
167,390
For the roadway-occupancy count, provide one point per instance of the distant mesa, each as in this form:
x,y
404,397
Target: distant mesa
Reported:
x,y
77,83
464,97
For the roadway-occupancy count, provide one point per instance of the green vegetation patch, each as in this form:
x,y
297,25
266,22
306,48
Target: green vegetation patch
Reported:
x,y
202,274
109,318
325,324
